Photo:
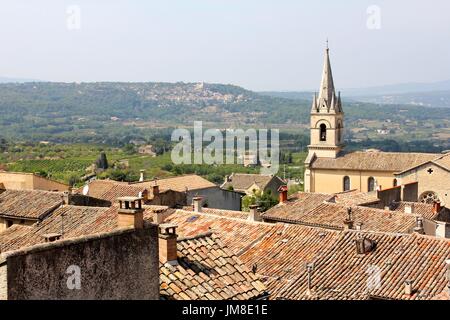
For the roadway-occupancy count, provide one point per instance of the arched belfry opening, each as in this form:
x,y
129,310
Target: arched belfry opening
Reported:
x,y
323,132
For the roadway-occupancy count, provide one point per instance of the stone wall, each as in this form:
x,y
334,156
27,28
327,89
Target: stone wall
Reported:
x,y
117,265
217,198
3,282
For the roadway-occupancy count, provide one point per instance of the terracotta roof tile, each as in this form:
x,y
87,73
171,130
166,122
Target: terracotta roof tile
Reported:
x,y
180,183
242,181
32,204
218,280
374,161
342,273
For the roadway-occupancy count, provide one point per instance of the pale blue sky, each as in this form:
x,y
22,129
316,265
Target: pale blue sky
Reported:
x,y
258,44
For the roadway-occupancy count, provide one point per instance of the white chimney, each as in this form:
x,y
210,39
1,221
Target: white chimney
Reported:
x,y
142,175
197,203
408,287
409,208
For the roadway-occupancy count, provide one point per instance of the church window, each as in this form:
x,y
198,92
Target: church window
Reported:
x,y
346,183
371,184
429,197
323,132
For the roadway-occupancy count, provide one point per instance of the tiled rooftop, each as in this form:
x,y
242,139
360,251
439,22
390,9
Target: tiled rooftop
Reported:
x,y
180,183
31,204
342,273
221,212
208,270
277,251
111,190
243,181
375,161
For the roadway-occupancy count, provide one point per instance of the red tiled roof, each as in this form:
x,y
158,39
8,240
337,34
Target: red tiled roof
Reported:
x,y
180,183
221,212
342,273
278,251
374,161
31,204
208,270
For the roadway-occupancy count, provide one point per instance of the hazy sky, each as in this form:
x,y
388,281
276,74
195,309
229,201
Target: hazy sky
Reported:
x,y
258,44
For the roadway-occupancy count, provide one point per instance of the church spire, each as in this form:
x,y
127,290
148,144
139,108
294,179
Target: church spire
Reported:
x,y
327,93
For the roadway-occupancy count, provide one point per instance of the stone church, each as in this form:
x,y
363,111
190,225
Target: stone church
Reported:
x,y
329,169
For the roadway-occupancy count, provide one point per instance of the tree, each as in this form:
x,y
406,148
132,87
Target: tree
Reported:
x,y
102,162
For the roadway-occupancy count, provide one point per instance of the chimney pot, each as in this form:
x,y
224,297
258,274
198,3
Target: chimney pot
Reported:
x,y
168,243
254,214
408,287
409,208
349,221
130,212
436,207
283,190
142,175
197,203
419,225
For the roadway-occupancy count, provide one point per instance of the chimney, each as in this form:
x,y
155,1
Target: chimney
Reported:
x,y
359,226
408,287
130,212
349,221
364,245
142,175
197,203
419,226
283,190
51,237
254,214
168,244
144,195
436,207
155,190
409,208
66,197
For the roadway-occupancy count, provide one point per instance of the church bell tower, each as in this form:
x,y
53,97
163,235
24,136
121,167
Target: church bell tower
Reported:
x,y
327,117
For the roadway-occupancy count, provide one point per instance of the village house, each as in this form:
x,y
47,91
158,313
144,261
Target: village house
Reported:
x,y
29,181
249,184
195,186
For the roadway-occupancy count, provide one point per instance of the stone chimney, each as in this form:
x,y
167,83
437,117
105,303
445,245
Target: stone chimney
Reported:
x,y
409,208
155,190
283,191
197,204
419,226
168,244
348,222
66,197
436,207
408,287
254,214
142,175
130,212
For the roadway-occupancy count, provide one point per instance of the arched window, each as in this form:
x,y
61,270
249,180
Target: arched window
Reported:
x,y
395,182
429,197
346,183
323,132
371,184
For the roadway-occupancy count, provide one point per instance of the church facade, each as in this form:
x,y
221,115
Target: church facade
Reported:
x,y
329,169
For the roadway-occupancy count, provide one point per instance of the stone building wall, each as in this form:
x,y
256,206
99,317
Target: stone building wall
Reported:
x,y
119,265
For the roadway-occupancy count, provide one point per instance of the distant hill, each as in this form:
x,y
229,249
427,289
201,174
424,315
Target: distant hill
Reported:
x,y
111,111
435,94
